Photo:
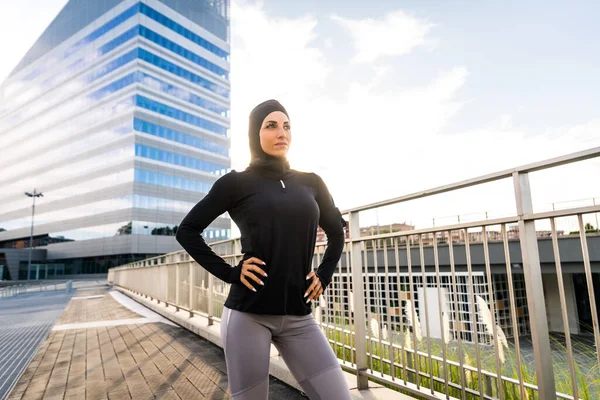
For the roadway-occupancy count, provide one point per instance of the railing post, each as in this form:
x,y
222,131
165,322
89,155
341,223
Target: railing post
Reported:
x,y
177,287
191,279
360,336
211,293
533,285
161,284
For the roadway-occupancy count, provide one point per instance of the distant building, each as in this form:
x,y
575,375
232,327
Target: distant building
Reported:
x,y
119,115
369,230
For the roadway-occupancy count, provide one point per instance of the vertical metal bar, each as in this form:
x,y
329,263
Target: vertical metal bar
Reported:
x,y
563,307
337,325
533,283
513,310
457,326
379,305
315,265
590,283
177,277
368,290
191,275
359,303
426,307
488,272
159,284
168,285
414,313
211,295
473,312
400,308
596,215
441,313
386,284
350,325
328,324
328,307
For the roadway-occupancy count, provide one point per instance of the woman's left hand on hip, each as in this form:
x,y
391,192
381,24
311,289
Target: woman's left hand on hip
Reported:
x,y
315,289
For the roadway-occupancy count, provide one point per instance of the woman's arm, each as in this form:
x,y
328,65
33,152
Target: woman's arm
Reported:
x,y
215,203
333,224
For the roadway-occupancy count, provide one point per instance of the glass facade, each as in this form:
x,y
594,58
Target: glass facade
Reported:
x,y
118,100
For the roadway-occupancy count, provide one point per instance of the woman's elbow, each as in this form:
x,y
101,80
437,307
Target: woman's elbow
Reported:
x,y
182,234
336,235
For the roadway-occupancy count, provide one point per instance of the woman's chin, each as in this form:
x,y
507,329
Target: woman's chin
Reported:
x,y
278,154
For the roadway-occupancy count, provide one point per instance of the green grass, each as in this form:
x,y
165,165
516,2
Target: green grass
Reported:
x,y
586,369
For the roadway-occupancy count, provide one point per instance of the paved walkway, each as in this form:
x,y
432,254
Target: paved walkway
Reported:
x,y
25,321
88,355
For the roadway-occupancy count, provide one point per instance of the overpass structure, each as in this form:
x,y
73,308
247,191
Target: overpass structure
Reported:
x,y
458,311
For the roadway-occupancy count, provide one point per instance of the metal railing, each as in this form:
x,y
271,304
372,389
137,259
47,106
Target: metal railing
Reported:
x,y
458,311
10,289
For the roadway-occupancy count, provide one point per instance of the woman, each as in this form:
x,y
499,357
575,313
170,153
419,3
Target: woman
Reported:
x,y
277,211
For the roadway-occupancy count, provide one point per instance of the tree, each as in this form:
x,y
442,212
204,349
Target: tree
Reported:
x,y
590,228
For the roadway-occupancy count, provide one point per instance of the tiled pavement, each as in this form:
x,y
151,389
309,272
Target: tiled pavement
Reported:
x,y
137,361
94,309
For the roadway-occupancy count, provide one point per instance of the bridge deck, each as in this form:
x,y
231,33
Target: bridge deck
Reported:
x,y
101,349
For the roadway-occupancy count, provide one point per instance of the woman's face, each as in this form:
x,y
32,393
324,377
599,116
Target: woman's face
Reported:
x,y
276,134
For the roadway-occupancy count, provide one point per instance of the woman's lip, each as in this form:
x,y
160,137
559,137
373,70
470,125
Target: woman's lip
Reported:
x,y
281,144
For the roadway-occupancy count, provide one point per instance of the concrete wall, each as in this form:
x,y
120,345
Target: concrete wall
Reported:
x,y
553,309
569,247
15,256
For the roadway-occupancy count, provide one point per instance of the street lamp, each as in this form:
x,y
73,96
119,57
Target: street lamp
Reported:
x,y
34,195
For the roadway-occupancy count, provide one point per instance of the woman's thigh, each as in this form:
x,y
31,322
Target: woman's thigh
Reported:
x,y
311,360
246,343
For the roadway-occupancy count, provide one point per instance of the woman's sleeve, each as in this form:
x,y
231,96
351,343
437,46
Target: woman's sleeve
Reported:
x,y
333,224
216,202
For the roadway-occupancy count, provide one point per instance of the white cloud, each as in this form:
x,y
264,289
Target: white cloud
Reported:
x,y
370,143
396,34
271,58
354,136
23,22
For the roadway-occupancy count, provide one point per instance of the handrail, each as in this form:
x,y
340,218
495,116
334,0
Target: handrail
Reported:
x,y
495,176
357,322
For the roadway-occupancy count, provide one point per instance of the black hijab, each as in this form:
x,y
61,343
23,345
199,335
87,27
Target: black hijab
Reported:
x,y
261,161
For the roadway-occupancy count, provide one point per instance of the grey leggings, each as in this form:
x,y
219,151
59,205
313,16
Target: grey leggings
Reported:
x,y
247,342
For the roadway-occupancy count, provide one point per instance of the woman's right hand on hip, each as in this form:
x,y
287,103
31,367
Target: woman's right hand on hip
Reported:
x,y
251,272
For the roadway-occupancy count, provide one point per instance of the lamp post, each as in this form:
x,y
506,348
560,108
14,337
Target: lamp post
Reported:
x,y
33,195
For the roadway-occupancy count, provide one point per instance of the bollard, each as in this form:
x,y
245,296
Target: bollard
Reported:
x,y
69,286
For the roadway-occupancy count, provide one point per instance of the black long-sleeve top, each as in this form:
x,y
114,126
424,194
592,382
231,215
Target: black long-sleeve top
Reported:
x,y
278,220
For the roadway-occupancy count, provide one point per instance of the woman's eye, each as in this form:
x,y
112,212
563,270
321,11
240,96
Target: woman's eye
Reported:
x,y
271,126
287,127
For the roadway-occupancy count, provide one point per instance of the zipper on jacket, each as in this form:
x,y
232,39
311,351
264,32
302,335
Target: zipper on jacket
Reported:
x,y
282,186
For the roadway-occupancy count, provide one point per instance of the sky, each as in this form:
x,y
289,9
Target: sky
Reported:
x,y
388,98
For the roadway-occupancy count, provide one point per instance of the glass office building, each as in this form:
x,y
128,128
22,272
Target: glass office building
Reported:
x,y
119,115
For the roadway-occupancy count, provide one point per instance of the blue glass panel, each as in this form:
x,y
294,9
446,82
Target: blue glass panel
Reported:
x,y
179,137
82,63
113,65
94,75
114,86
119,19
119,40
182,72
146,56
179,159
184,94
177,49
172,112
157,178
169,23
